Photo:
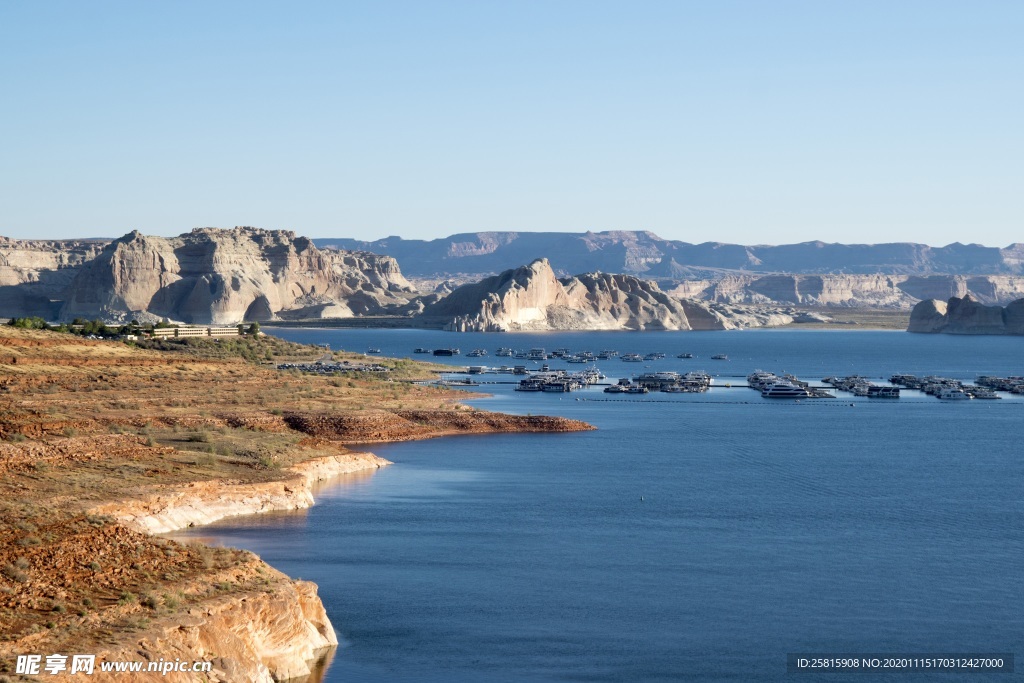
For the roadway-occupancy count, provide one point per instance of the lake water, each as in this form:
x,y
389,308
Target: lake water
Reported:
x,y
692,537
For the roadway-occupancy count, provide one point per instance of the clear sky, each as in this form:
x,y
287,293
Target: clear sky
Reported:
x,y
751,122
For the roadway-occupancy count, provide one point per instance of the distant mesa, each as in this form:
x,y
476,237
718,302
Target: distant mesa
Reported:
x,y
894,276
964,315
642,253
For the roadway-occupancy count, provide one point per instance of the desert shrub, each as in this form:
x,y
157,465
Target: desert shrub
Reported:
x,y
13,573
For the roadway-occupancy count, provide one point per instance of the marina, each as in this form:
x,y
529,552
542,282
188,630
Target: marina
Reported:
x,y
882,483
770,385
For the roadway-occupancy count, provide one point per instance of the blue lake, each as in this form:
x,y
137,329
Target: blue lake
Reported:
x,y
691,537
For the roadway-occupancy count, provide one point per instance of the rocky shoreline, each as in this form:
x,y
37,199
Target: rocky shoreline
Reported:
x,y
104,446
260,636
201,503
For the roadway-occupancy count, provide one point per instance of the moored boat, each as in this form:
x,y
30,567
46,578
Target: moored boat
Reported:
x,y
784,389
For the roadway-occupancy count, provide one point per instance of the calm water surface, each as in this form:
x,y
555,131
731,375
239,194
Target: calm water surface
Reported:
x,y
690,537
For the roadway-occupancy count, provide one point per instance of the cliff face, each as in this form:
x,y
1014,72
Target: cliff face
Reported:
x,y
532,298
33,274
964,315
276,634
212,276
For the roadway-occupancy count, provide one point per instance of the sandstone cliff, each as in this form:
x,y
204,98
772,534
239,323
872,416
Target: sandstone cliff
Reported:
x,y
965,315
532,298
278,633
208,276
226,276
34,275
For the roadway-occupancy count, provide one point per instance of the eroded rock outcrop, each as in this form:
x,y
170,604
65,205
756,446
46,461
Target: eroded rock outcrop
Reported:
x,y
532,298
965,315
277,634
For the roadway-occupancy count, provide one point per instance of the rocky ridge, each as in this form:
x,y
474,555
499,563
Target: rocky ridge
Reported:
x,y
645,253
965,315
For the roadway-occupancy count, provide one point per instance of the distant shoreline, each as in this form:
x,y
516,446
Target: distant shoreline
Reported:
x,y
842,319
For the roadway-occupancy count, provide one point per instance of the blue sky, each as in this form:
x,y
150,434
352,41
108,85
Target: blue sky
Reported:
x,y
750,122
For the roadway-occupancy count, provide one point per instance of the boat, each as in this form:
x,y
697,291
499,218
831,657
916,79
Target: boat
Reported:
x,y
537,354
421,350
784,390
446,352
530,385
883,392
504,352
373,350
983,393
651,356
759,379
698,377
719,356
615,389
952,394
637,389
632,358
685,355
477,353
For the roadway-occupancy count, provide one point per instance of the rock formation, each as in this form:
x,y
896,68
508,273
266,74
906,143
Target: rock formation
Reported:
x,y
208,276
532,298
965,315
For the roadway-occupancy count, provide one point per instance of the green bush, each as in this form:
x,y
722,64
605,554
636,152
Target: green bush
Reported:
x,y
33,323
